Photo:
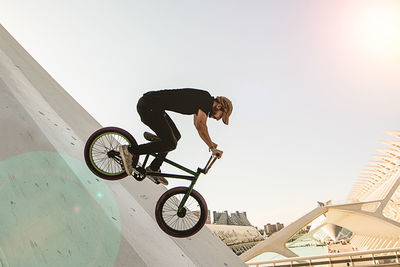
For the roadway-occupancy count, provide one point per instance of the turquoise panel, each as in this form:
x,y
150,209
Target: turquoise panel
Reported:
x,y
55,212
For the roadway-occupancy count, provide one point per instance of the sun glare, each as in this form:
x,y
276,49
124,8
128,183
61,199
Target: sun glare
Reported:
x,y
377,28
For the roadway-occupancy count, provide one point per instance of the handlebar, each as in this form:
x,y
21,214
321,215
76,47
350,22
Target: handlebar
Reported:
x,y
209,164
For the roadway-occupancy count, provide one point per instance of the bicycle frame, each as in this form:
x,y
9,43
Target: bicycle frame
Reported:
x,y
193,177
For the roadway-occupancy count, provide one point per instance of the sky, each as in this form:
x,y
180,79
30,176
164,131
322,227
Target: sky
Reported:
x,y
314,85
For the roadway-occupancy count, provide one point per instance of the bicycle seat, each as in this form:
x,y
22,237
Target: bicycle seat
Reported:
x,y
151,137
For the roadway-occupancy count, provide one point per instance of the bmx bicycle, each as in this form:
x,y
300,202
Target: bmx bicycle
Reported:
x,y
180,211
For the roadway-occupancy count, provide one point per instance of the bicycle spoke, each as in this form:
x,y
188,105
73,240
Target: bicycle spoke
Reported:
x,y
170,213
101,147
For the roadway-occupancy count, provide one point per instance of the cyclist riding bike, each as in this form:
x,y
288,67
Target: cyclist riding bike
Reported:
x,y
151,108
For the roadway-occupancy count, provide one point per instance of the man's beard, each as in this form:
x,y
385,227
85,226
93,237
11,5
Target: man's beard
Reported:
x,y
212,113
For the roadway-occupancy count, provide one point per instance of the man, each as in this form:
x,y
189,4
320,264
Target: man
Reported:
x,y
151,108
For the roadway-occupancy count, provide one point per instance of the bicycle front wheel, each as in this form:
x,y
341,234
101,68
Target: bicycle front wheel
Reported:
x,y
185,223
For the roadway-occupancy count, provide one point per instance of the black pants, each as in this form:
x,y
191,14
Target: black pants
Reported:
x,y
163,126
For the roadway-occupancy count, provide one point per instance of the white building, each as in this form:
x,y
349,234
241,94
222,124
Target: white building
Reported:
x,y
372,213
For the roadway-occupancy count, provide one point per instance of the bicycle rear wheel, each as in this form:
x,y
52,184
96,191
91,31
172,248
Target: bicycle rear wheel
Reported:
x,y
186,223
102,154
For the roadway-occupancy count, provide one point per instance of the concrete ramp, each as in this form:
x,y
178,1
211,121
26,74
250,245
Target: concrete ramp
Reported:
x,y
54,211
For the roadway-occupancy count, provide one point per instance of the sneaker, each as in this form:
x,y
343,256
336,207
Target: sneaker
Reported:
x,y
126,159
151,137
159,179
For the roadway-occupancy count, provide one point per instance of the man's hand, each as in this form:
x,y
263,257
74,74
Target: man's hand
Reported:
x,y
217,153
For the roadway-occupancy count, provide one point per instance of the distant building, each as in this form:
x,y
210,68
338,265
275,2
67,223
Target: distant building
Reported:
x,y
221,217
208,217
235,231
272,228
238,238
237,218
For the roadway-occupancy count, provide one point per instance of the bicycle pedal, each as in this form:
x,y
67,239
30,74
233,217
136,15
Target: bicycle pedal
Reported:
x,y
138,173
140,170
138,177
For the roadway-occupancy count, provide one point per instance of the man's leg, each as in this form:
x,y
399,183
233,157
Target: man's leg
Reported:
x,y
165,129
162,125
157,162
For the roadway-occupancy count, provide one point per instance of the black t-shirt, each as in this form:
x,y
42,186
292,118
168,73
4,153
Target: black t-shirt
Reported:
x,y
185,101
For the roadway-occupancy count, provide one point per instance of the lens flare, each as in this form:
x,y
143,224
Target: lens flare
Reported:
x,y
77,209
377,28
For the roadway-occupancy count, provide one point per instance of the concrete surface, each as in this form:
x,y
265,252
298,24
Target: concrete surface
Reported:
x,y
54,211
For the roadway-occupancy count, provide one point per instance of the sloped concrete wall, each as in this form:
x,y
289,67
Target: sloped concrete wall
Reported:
x,y
54,211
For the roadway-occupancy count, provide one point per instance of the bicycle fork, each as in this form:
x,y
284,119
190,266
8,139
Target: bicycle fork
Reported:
x,y
181,210
196,176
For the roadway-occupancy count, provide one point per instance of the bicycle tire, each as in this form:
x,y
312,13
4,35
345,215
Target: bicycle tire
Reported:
x,y
114,136
167,203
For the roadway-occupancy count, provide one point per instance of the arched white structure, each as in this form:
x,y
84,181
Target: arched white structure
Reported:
x,y
372,212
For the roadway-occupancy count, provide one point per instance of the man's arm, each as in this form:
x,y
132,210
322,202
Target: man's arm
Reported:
x,y
200,122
